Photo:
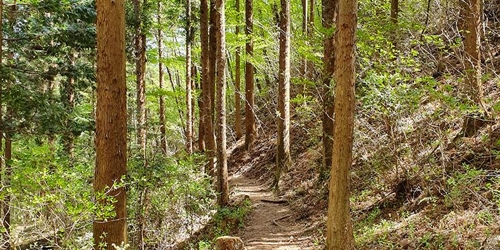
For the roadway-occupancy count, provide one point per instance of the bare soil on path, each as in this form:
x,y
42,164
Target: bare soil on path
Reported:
x,y
271,223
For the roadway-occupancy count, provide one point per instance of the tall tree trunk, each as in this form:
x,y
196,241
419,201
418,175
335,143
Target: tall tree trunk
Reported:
x,y
394,11
207,88
305,21
312,72
193,92
3,238
283,155
111,123
189,90
250,130
472,45
222,185
339,228
212,53
305,16
140,71
163,134
394,21
329,16
237,91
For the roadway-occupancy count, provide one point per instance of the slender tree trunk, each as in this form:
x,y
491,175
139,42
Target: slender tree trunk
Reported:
x,y
329,16
305,17
3,239
250,130
193,92
472,45
207,88
189,94
237,91
172,85
310,34
222,185
394,20
140,70
305,25
283,159
69,103
163,134
6,219
269,74
339,226
6,222
394,11
228,69
305,20
111,122
201,122
212,53
310,28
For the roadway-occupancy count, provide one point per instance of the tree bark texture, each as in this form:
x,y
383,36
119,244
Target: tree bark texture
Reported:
x,y
237,84
222,174
189,94
283,159
339,226
472,45
329,16
111,122
250,129
207,88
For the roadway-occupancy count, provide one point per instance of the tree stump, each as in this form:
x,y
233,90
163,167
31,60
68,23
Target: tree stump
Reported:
x,y
229,243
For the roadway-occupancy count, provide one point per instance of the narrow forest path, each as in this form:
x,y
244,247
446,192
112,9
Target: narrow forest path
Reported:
x,y
271,223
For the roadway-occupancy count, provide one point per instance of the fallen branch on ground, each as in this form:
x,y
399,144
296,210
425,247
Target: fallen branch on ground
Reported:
x,y
275,201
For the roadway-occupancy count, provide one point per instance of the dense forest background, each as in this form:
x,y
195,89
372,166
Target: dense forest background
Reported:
x,y
424,172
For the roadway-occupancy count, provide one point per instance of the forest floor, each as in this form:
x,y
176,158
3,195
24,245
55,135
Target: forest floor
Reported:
x,y
271,224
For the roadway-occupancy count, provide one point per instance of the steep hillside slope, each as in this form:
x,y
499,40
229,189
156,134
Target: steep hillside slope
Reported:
x,y
429,179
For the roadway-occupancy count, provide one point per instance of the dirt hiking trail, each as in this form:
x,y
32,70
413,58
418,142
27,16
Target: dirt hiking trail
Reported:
x,y
271,223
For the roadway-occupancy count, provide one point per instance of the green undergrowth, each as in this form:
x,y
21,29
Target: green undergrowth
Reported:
x,y
226,221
